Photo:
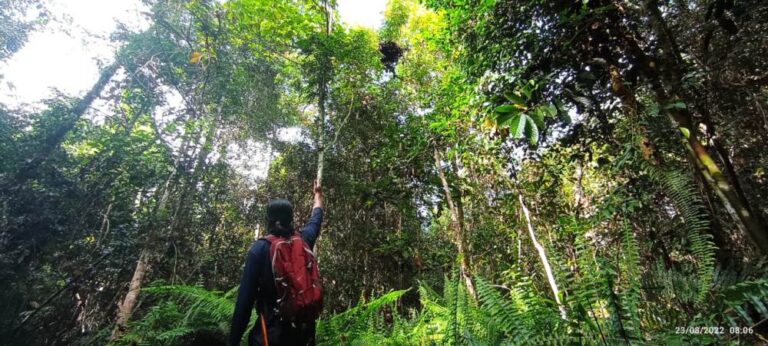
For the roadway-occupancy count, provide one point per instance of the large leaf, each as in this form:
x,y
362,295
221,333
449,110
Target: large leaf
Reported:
x,y
551,110
514,98
517,125
538,117
504,117
503,109
531,131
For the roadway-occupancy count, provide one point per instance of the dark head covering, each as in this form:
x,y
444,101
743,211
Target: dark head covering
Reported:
x,y
280,217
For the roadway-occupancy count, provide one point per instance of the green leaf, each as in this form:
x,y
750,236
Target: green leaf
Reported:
x,y
527,91
531,131
437,125
653,109
538,117
562,114
505,112
503,118
551,110
514,98
676,105
171,127
505,109
517,125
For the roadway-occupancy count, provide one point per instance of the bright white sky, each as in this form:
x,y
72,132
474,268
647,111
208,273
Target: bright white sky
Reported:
x,y
369,13
52,59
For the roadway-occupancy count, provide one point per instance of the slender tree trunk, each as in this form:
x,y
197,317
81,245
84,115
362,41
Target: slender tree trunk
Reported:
x,y
323,95
190,183
543,256
129,303
321,138
104,230
457,223
725,158
125,309
719,236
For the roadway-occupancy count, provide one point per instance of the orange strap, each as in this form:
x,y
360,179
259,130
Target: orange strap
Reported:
x,y
264,329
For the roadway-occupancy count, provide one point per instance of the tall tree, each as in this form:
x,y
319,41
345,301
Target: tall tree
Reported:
x,y
457,223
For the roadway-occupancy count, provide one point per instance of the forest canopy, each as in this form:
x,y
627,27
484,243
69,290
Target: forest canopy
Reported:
x,y
495,172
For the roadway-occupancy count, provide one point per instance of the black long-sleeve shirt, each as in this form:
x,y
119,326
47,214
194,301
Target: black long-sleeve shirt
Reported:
x,y
258,282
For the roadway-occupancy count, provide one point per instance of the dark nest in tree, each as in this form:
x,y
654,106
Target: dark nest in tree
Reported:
x,y
391,54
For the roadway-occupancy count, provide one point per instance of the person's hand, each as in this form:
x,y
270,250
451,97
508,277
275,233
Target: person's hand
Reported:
x,y
318,195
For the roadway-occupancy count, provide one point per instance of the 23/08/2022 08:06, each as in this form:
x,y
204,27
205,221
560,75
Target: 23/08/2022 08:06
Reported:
x,y
714,330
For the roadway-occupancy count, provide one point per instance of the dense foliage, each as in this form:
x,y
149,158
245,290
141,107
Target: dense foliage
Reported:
x,y
495,172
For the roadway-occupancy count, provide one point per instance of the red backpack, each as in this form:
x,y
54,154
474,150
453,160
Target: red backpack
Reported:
x,y
297,278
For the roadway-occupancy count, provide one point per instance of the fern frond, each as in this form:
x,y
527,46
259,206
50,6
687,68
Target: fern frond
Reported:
x,y
631,270
742,297
359,322
212,306
679,188
502,310
166,324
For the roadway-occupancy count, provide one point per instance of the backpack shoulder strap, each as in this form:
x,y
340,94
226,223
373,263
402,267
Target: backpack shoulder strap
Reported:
x,y
267,238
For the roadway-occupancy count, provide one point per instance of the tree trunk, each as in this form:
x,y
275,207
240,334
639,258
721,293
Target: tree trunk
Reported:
x,y
751,225
126,308
190,183
630,106
740,212
323,95
321,136
730,193
580,199
457,223
543,256
104,230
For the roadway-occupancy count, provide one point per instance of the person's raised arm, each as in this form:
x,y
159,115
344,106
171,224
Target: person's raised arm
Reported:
x,y
318,190
311,230
246,296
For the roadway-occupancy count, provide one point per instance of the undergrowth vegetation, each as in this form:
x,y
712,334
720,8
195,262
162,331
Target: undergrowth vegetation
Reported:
x,y
602,314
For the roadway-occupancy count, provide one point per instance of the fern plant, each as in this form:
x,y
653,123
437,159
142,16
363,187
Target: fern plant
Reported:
x,y
360,323
183,312
679,188
608,305
161,326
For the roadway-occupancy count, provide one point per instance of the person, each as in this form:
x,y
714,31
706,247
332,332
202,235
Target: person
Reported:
x,y
257,285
